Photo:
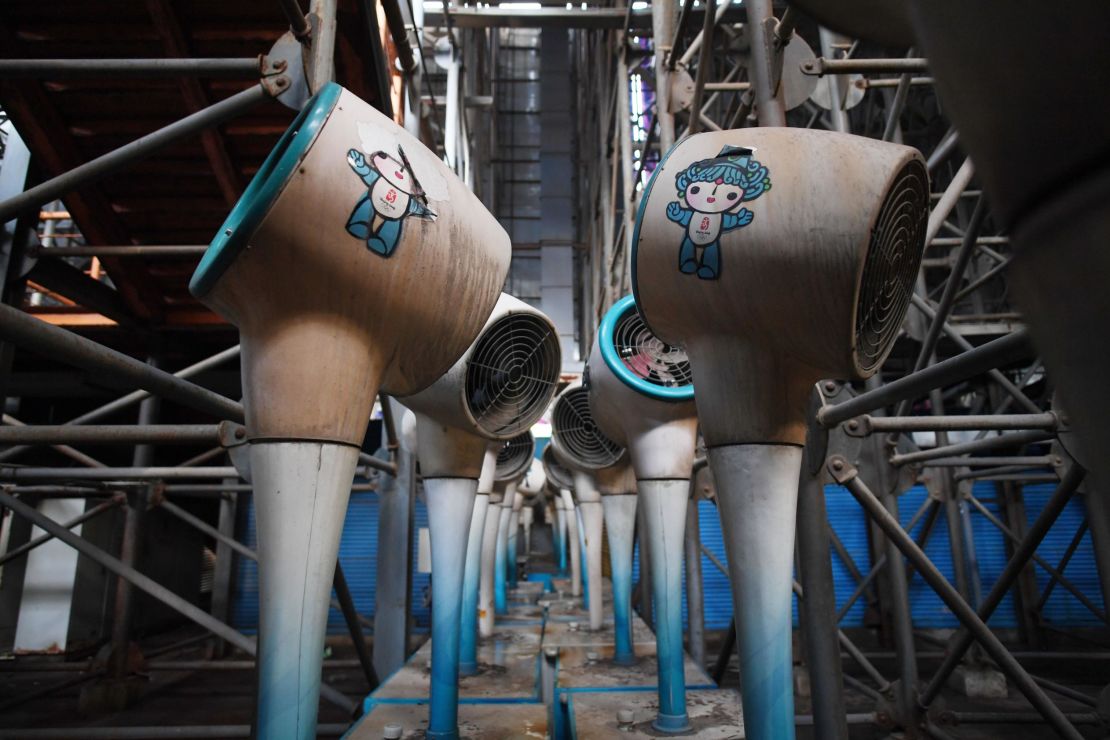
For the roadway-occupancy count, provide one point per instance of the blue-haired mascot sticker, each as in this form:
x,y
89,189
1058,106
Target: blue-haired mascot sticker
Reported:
x,y
393,195
710,194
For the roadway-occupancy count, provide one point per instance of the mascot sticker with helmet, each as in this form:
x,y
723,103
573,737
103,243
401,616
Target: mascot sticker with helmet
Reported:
x,y
710,194
393,194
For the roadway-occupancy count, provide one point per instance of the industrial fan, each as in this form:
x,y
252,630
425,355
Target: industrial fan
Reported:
x,y
559,483
496,391
799,268
641,396
578,443
334,302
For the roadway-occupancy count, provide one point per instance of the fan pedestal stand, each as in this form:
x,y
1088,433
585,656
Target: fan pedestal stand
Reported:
x,y
500,593
573,543
560,536
664,506
300,493
757,490
468,645
450,506
620,526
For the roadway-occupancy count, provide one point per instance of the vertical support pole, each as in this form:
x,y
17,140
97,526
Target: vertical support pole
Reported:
x,y
695,600
837,85
770,110
223,575
662,26
897,588
394,562
322,66
123,614
451,122
818,608
124,610
628,184
1098,519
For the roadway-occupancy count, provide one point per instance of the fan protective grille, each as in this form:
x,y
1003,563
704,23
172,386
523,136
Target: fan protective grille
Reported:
x,y
574,429
514,456
511,374
559,476
893,259
647,356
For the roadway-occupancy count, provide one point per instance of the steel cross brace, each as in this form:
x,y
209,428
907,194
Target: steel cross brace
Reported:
x,y
846,474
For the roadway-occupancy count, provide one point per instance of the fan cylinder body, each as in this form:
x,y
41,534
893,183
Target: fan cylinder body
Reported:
x,y
813,278
327,319
807,275
323,318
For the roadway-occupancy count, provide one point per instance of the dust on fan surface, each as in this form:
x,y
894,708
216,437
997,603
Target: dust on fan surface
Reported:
x,y
510,373
646,355
577,433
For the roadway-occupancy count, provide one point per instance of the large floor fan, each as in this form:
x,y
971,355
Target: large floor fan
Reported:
x,y
774,257
585,450
496,391
355,262
641,395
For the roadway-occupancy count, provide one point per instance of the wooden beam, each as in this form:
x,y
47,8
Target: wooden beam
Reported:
x,y
54,152
169,30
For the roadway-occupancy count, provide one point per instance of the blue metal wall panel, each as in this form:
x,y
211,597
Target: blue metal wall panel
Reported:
x,y
1063,609
360,537
357,552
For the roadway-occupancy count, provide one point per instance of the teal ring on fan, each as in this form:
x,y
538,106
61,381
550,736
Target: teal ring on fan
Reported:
x,y
606,334
264,189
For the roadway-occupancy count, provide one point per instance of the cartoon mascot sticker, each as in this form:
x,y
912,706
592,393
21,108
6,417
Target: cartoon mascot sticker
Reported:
x,y
710,194
393,195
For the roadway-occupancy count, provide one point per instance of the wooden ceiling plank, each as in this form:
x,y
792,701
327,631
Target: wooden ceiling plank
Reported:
x,y
215,147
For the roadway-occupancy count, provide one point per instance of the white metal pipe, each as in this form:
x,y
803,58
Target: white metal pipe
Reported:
x,y
572,543
489,550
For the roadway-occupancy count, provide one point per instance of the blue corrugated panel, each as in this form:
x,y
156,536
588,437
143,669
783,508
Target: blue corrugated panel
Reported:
x,y
1063,609
848,521
356,552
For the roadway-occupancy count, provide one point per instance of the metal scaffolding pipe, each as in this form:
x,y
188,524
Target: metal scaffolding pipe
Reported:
x,y
43,539
208,529
196,732
115,474
976,629
134,151
1003,350
1002,441
1047,421
983,462
822,66
26,331
60,69
298,24
139,580
111,434
170,250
